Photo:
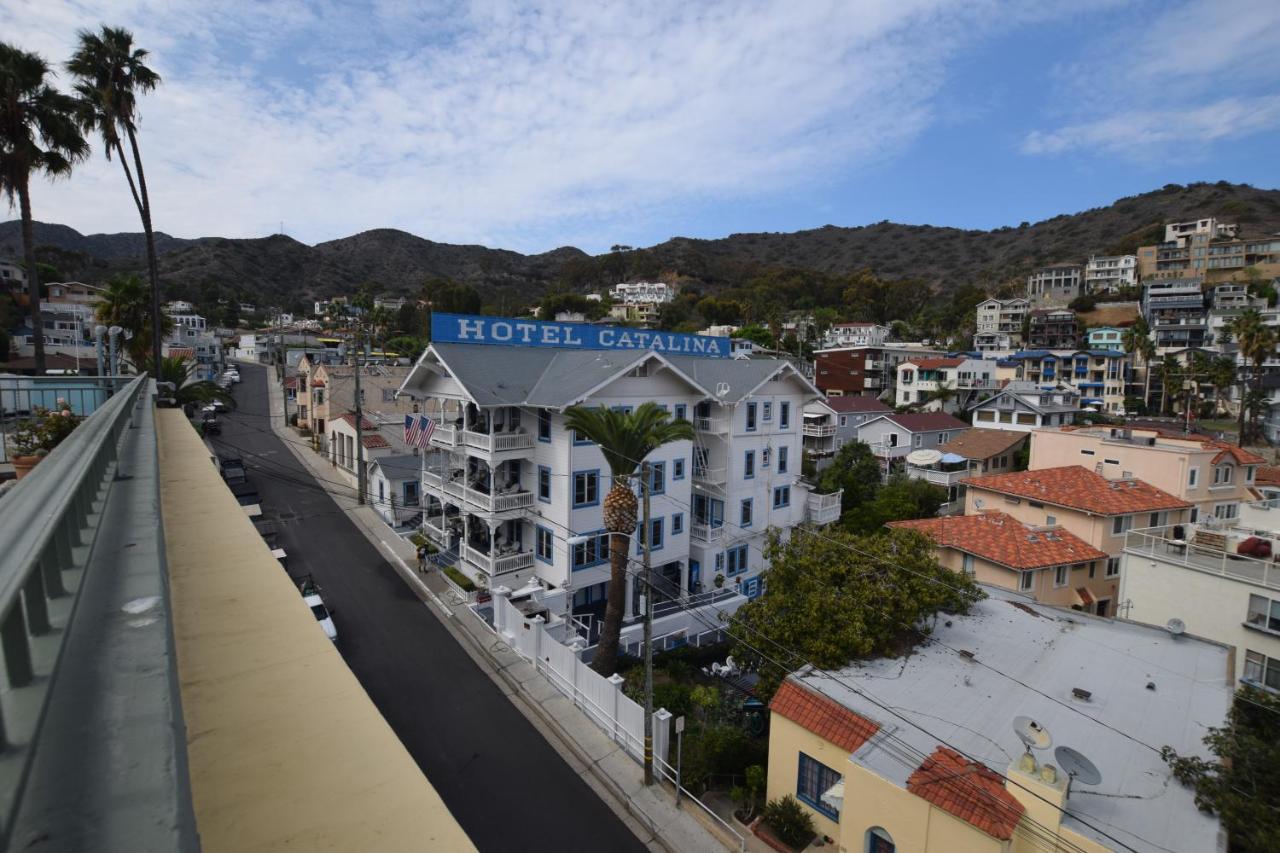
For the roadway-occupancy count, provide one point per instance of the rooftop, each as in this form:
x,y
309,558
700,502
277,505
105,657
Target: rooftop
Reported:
x,y
1027,660
858,403
1077,487
1004,540
978,443
927,422
935,363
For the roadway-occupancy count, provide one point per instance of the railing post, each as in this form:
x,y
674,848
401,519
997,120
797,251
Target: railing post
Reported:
x,y
616,681
51,567
37,607
17,647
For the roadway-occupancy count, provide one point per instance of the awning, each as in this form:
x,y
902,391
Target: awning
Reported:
x,y
1084,595
923,457
834,796
953,458
1092,401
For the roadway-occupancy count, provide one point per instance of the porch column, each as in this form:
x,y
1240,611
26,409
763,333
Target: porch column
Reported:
x,y
628,612
684,578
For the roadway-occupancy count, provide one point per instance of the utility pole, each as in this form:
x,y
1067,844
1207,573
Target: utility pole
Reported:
x,y
360,472
647,535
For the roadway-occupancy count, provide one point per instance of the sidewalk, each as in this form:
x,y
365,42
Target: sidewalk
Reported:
x,y
649,812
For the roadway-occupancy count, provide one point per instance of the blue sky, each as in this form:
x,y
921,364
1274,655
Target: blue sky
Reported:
x,y
530,126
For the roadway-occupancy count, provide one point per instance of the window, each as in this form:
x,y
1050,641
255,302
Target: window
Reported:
x,y
586,488
751,417
720,562
1263,613
736,560
411,493
1193,478
1222,475
592,551
1061,575
1120,524
813,780
966,565
784,416
844,420
544,484
1249,473
677,469
1113,567
782,460
1262,670
544,425
917,440
749,465
879,841
744,514
681,412
656,525
781,497
388,395
657,478
767,414
542,540
1225,510
579,440
765,455
677,523
1026,581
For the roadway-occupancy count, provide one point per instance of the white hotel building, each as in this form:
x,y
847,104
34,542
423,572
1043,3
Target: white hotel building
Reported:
x,y
510,486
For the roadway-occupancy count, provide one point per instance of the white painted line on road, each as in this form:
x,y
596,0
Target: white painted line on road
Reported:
x,y
443,607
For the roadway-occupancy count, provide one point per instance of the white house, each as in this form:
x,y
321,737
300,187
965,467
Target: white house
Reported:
x,y
855,335
1023,406
832,423
921,380
1110,273
395,484
517,498
893,436
998,323
641,292
247,348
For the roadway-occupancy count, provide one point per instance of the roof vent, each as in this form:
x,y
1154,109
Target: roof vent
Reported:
x,y
968,655
1081,694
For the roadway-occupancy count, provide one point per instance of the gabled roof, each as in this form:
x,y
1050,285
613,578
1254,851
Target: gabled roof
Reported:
x,y
373,441
978,443
846,405
822,715
400,466
350,420
1004,540
969,790
933,363
924,421
1076,487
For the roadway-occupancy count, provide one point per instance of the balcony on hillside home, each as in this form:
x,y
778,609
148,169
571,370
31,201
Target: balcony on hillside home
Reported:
x,y
819,429
491,430
823,508
477,491
1211,547
165,685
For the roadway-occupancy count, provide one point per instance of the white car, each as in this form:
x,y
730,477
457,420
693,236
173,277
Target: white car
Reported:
x,y
215,406
322,615
232,375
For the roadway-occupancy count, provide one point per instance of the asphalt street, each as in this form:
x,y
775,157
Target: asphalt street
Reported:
x,y
503,782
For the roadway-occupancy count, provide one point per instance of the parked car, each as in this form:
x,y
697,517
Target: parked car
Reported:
x,y
215,407
311,597
212,427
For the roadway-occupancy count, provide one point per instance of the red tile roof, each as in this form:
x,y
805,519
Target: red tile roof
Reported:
x,y
1268,475
859,403
972,792
935,363
1004,540
927,422
1240,455
822,715
1077,487
375,441
350,420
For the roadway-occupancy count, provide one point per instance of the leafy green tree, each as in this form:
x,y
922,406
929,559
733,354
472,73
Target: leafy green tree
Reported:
x,y
181,373
126,302
865,592
1257,342
758,335
625,440
452,297
898,500
110,73
407,346
1241,785
38,135
854,469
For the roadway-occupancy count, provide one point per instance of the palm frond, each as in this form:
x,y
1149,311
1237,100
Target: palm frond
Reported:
x,y
626,437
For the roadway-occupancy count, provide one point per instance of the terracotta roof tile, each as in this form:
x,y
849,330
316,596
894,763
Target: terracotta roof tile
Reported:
x,y
1077,487
375,441
1003,539
972,792
822,715
978,443
1268,475
350,420
934,363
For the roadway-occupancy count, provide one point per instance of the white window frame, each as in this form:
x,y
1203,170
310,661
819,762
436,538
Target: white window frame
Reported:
x,y
1193,478
1026,581
1113,567
1061,576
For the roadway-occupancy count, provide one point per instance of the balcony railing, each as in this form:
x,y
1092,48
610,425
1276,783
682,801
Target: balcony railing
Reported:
x,y
715,426
1159,543
495,565
503,501
705,533
497,442
708,474
21,395
444,436
823,509
938,478
819,430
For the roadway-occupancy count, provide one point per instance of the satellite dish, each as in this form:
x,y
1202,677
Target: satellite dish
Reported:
x,y
722,388
1176,627
978,503
1077,766
1032,734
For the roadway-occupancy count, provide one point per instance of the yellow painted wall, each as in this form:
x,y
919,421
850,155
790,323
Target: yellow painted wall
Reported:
x,y
786,741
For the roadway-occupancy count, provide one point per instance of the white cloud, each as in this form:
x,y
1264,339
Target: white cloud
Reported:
x,y
527,126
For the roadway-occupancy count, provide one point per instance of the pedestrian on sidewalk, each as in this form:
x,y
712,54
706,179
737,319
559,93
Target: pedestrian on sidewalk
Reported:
x,y
422,559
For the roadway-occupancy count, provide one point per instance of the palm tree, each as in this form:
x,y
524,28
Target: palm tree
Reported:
x,y
1136,341
180,372
1222,375
38,133
126,302
1256,341
1170,376
110,73
625,439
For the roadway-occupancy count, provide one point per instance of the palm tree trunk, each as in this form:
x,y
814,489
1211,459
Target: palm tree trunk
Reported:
x,y
153,268
605,659
33,275
128,176
1244,395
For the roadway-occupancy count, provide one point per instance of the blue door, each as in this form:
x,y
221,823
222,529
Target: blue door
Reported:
x,y
695,574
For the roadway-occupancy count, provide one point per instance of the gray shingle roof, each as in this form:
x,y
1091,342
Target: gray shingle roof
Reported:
x,y
400,467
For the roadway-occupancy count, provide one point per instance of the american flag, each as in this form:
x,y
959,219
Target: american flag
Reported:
x,y
418,430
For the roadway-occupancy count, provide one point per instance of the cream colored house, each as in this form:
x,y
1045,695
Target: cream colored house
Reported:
x,y
920,753
327,391
1212,475
1087,505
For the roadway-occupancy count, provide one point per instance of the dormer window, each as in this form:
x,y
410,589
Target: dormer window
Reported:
x,y
1222,475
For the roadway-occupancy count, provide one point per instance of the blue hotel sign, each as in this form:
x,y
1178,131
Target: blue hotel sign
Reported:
x,y
506,331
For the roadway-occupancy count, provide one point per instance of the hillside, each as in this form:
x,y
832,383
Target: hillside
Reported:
x,y
280,269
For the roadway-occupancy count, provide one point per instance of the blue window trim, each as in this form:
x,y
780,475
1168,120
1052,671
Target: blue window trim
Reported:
x,y
747,508
681,412
766,456
657,525
815,803
677,469
654,468
784,415
544,419
538,531
595,502
751,587
782,459
677,523
779,492
579,442
741,551
544,469
602,551
720,562
751,417
749,465
766,411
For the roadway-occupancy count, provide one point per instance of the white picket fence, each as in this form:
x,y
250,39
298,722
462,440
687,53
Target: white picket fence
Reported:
x,y
598,697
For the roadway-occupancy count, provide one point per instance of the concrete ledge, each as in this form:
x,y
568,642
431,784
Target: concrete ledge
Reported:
x,y
286,750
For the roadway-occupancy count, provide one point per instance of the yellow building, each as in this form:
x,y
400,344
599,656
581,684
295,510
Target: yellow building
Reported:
x,y
921,753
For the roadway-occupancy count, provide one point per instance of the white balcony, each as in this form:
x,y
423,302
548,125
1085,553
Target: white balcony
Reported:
x,y
708,474
705,533
499,442
496,565
1202,554
938,478
714,426
477,499
444,436
819,430
823,509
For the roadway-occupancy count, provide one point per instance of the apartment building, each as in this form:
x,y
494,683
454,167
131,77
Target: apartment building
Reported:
x,y
1214,257
1110,273
1053,328
998,324
833,422
1213,476
1176,313
855,335
516,497
1105,337
1087,505
644,313
1181,232
1055,285
638,292
943,384
866,371
921,752
1098,376
1220,583
327,391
